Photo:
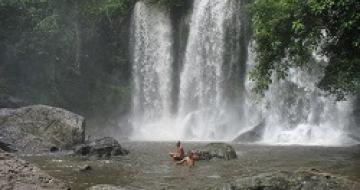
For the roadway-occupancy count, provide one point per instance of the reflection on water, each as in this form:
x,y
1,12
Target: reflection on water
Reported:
x,y
149,167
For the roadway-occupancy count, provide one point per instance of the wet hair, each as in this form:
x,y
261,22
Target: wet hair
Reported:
x,y
178,143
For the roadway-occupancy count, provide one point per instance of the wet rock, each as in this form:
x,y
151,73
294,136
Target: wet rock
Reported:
x,y
252,135
105,187
298,180
7,147
18,174
101,148
54,149
85,168
38,128
82,149
216,150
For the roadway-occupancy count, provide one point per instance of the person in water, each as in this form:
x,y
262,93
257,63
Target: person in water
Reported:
x,y
188,161
179,152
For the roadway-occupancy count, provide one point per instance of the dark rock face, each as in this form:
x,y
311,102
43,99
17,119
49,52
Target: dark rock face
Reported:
x,y
10,102
252,135
39,128
216,150
101,148
299,180
17,174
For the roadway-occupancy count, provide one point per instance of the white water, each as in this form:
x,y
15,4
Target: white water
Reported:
x,y
300,113
294,110
151,50
201,113
202,110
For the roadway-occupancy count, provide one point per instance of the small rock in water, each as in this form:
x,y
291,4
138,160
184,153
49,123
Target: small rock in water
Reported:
x,y
252,135
101,148
54,149
314,170
85,168
82,149
216,151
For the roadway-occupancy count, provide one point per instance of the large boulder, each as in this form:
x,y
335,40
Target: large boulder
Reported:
x,y
39,127
101,148
252,135
216,150
298,180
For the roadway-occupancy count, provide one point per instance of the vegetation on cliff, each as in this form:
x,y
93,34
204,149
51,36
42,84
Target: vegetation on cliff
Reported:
x,y
287,32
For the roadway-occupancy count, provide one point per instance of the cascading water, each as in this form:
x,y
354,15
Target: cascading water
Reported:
x,y
152,58
203,112
215,101
295,111
299,113
202,107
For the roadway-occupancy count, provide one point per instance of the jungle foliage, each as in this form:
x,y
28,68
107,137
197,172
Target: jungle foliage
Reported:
x,y
288,32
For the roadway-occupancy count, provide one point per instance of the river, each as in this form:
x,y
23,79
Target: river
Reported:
x,y
149,167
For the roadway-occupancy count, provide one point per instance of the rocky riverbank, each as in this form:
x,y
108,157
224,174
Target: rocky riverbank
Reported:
x,y
41,129
18,174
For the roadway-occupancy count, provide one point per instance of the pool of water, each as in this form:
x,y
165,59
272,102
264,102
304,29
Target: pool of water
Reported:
x,y
149,167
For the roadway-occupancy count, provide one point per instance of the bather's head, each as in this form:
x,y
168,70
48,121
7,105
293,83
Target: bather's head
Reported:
x,y
178,144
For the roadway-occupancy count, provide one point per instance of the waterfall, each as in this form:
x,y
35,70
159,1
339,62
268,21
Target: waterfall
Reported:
x,y
299,113
210,98
151,45
203,112
296,111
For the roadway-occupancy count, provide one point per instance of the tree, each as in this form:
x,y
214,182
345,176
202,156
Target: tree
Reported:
x,y
287,32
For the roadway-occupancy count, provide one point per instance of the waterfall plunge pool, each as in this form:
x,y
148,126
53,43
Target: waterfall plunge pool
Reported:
x,y
149,167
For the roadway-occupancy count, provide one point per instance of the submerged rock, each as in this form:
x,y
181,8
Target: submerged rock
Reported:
x,y
299,180
18,174
216,150
85,168
252,135
101,148
39,128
